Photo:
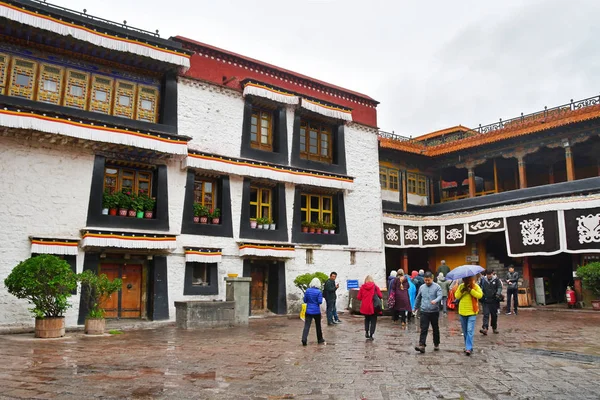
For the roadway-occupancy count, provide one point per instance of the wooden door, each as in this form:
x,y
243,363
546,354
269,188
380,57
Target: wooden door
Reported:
x,y
111,305
131,292
257,288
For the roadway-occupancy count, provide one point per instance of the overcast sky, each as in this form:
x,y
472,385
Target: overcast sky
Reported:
x,y
431,64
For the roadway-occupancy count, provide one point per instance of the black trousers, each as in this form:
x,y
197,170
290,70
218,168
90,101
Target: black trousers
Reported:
x,y
370,323
514,294
490,309
400,315
307,321
432,318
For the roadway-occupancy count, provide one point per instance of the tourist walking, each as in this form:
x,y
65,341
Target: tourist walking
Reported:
x,y
412,295
366,295
512,291
313,299
492,291
330,298
468,293
391,279
445,285
427,302
442,269
400,288
418,279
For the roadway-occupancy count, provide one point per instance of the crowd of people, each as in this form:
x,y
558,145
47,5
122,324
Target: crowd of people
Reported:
x,y
422,295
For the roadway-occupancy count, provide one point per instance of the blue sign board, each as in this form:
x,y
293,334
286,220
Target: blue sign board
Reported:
x,y
352,284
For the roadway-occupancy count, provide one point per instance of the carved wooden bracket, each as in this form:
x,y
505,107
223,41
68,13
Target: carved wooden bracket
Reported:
x,y
520,152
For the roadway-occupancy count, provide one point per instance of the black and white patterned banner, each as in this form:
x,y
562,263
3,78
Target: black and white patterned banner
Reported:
x,y
391,234
454,235
410,236
582,230
486,225
431,236
533,234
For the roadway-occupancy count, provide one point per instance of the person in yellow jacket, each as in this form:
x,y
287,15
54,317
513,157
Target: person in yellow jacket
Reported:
x,y
468,294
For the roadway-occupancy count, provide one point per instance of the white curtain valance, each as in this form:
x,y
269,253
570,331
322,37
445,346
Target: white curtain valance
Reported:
x,y
203,255
279,96
326,110
23,120
54,246
258,170
266,251
128,241
64,28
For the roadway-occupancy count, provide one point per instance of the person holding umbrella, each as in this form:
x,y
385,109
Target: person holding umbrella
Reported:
x,y
468,293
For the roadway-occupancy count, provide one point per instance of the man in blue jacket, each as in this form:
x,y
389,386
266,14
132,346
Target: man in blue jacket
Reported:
x,y
427,301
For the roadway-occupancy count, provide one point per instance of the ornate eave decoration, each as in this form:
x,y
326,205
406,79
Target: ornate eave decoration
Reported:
x,y
203,254
128,240
257,169
54,246
89,131
80,32
269,92
327,110
267,250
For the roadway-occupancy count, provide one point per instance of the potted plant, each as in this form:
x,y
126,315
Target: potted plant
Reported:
x,y
271,224
95,290
197,210
113,204
312,227
149,204
259,223
123,201
305,226
132,202
106,201
45,281
253,223
318,227
590,278
138,204
204,212
332,228
214,216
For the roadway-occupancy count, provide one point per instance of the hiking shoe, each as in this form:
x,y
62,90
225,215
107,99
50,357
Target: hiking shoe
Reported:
x,y
420,349
322,341
509,313
496,331
337,321
483,332
304,343
371,337
367,335
468,352
436,347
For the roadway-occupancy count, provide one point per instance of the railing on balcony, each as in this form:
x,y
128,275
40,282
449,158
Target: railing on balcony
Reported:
x,y
537,117
97,19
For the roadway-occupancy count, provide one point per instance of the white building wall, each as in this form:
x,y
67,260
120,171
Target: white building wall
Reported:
x,y
417,200
390,195
44,192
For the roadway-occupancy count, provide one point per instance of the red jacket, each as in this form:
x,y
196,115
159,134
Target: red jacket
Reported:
x,y
365,295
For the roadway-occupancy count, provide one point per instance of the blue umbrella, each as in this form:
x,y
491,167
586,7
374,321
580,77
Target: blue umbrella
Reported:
x,y
464,271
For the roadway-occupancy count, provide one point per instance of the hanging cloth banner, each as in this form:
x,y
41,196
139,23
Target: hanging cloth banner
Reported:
x,y
260,90
487,225
267,250
128,240
54,246
582,230
327,110
89,35
203,255
534,234
42,123
257,169
431,236
391,234
411,236
454,235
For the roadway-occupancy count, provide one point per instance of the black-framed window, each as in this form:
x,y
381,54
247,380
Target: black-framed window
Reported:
x,y
338,215
221,199
276,208
264,131
325,150
158,184
201,279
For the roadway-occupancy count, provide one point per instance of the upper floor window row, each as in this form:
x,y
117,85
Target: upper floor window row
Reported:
x,y
56,84
315,141
416,184
388,178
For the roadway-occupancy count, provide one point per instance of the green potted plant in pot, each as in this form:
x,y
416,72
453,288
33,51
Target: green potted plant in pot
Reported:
x,y
215,216
318,227
200,213
332,228
149,204
106,201
272,225
305,226
138,204
112,203
590,278
312,227
95,290
132,204
45,281
123,200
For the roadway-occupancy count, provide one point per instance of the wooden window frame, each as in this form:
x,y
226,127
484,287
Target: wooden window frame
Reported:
x,y
421,185
322,213
259,114
260,204
136,178
204,179
383,177
322,129
411,183
393,184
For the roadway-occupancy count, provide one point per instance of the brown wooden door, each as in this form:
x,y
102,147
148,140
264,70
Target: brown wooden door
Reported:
x,y
111,305
257,288
131,292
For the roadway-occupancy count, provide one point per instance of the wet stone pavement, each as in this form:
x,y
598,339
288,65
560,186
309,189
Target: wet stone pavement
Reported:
x,y
537,355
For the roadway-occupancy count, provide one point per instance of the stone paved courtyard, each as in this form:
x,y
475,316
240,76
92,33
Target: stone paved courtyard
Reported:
x,y
537,355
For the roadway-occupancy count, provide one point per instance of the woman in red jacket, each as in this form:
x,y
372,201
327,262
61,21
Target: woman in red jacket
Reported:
x,y
365,294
